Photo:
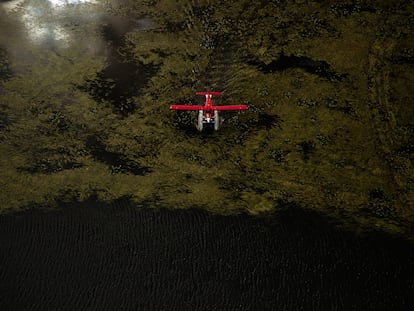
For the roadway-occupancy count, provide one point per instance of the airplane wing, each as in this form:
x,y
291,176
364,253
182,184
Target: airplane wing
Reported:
x,y
186,107
230,107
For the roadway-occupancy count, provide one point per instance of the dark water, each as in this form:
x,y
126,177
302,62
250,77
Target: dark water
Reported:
x,y
121,257
116,161
320,68
123,78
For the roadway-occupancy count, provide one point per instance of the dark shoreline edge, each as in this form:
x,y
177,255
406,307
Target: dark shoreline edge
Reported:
x,y
285,211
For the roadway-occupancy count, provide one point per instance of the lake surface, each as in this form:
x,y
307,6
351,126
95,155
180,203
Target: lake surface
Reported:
x,y
93,256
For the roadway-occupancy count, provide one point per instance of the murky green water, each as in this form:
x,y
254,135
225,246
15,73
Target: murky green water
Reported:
x,y
85,90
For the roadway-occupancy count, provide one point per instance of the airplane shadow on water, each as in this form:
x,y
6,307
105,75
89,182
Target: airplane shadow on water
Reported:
x,y
117,256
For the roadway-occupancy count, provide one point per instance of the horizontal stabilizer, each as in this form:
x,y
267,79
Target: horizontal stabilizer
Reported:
x,y
209,93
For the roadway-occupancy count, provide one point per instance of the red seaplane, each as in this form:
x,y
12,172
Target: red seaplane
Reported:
x,y
208,114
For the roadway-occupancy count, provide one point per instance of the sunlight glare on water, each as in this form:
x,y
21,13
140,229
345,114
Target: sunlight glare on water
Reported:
x,y
42,31
43,20
59,3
